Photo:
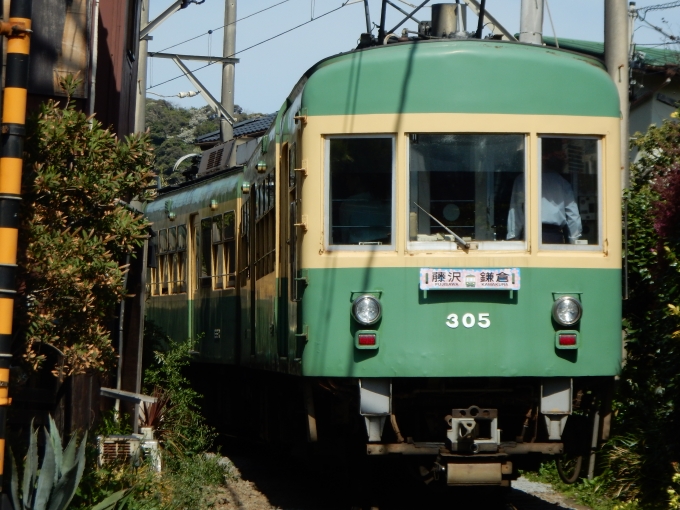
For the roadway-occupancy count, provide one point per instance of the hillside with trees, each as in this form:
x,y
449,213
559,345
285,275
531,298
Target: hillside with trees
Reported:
x,y
173,129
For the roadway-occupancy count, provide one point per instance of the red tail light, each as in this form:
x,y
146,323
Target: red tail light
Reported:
x,y
567,339
366,339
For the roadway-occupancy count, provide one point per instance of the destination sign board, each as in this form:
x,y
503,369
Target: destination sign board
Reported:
x,y
469,279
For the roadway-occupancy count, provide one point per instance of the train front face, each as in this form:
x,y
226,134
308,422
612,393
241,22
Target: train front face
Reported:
x,y
462,250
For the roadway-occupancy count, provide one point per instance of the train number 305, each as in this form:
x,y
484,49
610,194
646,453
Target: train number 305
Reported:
x,y
469,320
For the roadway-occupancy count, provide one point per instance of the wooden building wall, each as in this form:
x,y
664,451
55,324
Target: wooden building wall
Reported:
x,y
117,64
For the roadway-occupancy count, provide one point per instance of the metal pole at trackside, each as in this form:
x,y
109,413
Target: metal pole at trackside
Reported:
x,y
18,32
616,52
228,68
531,22
140,103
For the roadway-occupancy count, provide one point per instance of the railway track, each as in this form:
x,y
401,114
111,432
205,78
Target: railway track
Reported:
x,y
306,482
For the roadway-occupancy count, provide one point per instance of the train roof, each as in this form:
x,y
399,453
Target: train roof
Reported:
x,y
255,126
459,76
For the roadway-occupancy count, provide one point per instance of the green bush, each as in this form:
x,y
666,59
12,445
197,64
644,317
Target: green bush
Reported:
x,y
189,476
182,430
646,445
75,234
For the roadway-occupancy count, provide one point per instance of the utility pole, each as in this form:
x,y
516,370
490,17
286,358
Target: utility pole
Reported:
x,y
228,68
616,49
531,22
140,105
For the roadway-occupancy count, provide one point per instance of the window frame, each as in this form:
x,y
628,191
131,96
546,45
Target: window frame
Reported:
x,y
328,201
451,246
600,190
228,279
170,261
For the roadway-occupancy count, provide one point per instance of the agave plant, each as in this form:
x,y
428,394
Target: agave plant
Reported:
x,y
53,485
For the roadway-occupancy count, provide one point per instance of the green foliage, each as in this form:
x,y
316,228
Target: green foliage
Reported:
x,y
189,476
182,431
173,129
75,233
114,424
165,120
53,486
116,477
189,485
595,493
642,461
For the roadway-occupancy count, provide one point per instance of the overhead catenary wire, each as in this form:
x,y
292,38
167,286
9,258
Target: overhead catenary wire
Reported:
x,y
220,28
642,11
660,30
547,6
253,46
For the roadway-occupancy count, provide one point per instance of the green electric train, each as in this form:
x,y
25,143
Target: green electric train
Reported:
x,y
420,258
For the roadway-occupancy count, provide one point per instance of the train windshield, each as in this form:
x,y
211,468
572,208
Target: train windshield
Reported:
x,y
465,183
361,177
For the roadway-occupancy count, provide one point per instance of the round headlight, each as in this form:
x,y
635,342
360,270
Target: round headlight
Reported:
x,y
567,311
366,310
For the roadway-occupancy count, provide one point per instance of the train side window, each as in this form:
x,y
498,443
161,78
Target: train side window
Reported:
x,y
164,277
154,276
360,184
463,183
180,283
570,192
169,275
265,228
172,261
205,269
224,250
244,264
292,174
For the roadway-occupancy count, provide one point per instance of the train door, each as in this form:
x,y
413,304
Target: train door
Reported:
x,y
287,241
252,254
282,296
245,277
292,249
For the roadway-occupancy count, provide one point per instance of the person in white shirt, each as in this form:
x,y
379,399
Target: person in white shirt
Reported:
x,y
560,217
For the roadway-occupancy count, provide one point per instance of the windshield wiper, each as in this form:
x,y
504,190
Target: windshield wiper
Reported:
x,y
459,240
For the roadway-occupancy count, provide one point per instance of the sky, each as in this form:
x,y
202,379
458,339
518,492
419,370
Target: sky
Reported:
x,y
267,72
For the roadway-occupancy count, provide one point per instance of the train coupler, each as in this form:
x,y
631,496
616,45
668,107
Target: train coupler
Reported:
x,y
473,430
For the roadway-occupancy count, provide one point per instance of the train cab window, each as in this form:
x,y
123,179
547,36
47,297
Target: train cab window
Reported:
x,y
360,176
224,250
463,184
570,203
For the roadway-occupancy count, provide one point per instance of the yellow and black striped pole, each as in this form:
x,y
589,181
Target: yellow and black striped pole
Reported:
x,y
17,30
